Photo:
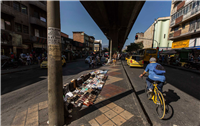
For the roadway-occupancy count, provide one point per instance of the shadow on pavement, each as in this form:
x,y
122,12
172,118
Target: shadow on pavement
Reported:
x,y
170,96
78,113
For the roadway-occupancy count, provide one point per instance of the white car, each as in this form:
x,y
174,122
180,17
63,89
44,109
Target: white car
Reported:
x,y
87,60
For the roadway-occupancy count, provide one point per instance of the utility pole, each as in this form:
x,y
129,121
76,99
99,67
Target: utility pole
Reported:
x,y
55,84
110,49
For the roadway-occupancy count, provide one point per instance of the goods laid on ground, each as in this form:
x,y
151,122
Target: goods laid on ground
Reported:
x,y
84,90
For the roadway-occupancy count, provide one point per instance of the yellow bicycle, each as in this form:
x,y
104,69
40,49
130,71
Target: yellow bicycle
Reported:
x,y
158,99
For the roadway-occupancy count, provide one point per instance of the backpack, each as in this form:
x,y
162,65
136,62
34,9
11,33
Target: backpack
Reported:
x,y
159,69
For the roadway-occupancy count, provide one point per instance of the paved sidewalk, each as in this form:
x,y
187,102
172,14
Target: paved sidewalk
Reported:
x,y
116,105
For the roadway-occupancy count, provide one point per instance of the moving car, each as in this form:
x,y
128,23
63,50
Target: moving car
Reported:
x,y
135,61
44,64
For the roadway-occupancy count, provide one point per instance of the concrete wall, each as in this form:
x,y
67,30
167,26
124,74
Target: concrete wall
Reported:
x,y
148,34
161,33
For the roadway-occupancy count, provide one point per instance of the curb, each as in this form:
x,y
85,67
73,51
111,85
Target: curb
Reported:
x,y
144,115
180,68
18,70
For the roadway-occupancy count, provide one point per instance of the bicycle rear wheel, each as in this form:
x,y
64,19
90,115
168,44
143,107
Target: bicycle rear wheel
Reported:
x,y
161,107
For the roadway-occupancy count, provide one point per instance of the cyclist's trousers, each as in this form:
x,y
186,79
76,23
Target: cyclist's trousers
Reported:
x,y
149,84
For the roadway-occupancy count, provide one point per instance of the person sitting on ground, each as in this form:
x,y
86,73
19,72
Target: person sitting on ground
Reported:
x,y
153,76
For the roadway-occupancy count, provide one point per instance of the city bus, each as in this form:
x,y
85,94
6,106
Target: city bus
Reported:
x,y
148,53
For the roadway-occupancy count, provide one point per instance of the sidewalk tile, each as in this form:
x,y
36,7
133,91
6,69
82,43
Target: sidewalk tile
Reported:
x,y
93,122
110,114
19,119
109,123
33,108
43,105
118,120
111,105
101,119
126,115
104,109
118,109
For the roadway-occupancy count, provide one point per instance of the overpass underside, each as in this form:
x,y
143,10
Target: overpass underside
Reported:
x,y
114,18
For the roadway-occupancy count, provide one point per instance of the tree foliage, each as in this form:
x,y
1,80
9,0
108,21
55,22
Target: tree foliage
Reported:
x,y
134,47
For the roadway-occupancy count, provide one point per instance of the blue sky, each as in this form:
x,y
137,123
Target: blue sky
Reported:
x,y
74,17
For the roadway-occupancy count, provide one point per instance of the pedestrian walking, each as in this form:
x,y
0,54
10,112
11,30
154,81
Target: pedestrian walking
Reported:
x,y
39,59
28,59
114,58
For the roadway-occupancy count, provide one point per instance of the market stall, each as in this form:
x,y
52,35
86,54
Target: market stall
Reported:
x,y
84,90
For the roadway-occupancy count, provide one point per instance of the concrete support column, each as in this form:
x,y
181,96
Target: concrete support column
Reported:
x,y
55,83
110,43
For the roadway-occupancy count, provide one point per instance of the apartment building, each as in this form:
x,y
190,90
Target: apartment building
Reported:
x,y
185,24
23,26
84,38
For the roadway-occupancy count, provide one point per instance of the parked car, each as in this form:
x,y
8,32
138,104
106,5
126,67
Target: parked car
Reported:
x,y
135,61
44,64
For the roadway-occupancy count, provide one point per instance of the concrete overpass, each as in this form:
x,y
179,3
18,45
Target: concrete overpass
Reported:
x,y
114,18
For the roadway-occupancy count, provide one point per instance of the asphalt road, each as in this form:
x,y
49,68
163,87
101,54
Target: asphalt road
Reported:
x,y
181,93
23,89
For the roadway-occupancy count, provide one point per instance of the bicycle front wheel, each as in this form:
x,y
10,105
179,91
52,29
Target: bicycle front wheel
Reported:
x,y
161,105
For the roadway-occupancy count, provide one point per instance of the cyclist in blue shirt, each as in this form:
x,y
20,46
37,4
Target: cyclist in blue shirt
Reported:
x,y
153,76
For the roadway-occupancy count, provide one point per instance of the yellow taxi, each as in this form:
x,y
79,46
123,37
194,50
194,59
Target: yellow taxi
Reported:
x,y
127,56
44,64
135,61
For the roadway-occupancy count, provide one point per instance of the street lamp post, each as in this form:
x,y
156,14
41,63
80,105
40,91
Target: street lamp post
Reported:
x,y
55,83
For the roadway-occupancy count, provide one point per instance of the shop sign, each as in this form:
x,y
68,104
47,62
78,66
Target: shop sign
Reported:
x,y
180,44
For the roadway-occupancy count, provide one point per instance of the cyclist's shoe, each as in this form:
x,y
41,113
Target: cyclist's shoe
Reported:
x,y
158,103
150,93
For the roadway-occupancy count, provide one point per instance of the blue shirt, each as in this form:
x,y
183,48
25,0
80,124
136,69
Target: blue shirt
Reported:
x,y
152,75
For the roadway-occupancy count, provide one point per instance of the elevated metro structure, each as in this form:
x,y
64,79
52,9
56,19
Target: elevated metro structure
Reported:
x,y
114,18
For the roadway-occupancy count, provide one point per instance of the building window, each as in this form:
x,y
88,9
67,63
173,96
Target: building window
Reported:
x,y
36,14
2,24
198,23
16,6
192,25
18,27
8,25
176,28
183,27
25,29
37,33
24,9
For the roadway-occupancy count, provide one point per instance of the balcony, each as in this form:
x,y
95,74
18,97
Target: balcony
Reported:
x,y
38,39
7,10
34,20
177,33
186,17
38,4
175,1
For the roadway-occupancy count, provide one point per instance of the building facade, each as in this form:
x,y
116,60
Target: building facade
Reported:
x,y
160,35
84,38
148,34
98,45
185,24
23,26
140,37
